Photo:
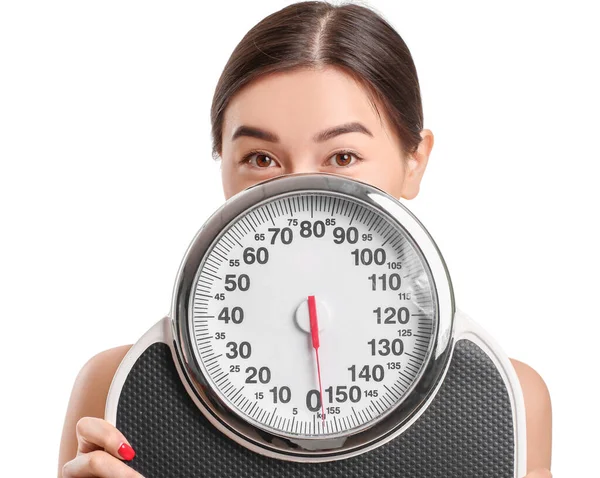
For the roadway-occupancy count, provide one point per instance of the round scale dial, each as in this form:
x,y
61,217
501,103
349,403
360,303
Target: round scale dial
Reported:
x,y
312,315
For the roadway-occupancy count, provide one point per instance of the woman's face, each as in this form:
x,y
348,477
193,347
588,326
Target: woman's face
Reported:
x,y
315,121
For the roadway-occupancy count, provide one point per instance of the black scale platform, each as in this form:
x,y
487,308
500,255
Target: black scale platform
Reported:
x,y
467,431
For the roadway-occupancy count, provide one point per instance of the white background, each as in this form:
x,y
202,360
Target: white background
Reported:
x,y
106,174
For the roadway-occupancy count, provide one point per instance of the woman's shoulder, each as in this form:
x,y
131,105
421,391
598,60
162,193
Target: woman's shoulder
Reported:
x,y
88,396
91,386
104,363
538,415
97,373
534,388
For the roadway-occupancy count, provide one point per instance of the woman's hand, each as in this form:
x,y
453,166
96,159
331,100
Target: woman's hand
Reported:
x,y
100,451
539,473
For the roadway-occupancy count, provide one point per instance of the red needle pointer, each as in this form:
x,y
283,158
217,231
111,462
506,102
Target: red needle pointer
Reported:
x,y
314,333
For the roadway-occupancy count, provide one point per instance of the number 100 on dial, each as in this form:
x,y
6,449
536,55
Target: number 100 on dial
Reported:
x,y
313,315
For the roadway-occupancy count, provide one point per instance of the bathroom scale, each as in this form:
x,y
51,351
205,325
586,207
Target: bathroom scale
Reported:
x,y
313,332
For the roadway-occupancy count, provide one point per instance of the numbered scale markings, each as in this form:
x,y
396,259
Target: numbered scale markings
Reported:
x,y
313,315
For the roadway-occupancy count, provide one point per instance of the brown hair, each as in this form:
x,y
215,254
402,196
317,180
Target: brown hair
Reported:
x,y
314,34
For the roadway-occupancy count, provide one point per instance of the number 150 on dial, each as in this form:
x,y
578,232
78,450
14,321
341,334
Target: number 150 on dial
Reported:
x,y
313,315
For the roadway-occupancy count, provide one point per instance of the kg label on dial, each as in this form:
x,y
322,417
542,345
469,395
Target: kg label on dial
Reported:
x,y
313,315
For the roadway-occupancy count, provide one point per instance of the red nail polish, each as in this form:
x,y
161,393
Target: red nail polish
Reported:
x,y
126,452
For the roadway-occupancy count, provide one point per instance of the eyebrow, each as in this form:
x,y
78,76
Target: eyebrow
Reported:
x,y
324,135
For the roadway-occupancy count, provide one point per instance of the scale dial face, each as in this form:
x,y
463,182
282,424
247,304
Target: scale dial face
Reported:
x,y
312,315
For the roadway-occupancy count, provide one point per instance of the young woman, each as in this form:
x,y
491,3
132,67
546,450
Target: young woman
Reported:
x,y
311,88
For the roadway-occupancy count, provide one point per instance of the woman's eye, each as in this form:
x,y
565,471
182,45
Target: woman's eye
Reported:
x,y
343,159
259,160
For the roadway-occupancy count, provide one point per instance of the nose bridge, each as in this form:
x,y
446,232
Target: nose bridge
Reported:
x,y
302,162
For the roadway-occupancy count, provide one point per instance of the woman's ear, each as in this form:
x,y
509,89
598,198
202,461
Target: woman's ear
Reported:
x,y
415,165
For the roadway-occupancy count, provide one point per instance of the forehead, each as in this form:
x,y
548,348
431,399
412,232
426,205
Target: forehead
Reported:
x,y
300,102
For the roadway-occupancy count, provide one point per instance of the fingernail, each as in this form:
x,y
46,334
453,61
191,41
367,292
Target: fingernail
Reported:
x,y
126,452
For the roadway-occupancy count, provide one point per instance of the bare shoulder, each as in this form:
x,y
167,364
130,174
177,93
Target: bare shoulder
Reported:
x,y
88,396
99,371
538,412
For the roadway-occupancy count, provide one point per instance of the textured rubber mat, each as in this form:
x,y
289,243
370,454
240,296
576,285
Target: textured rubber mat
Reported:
x,y
466,432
